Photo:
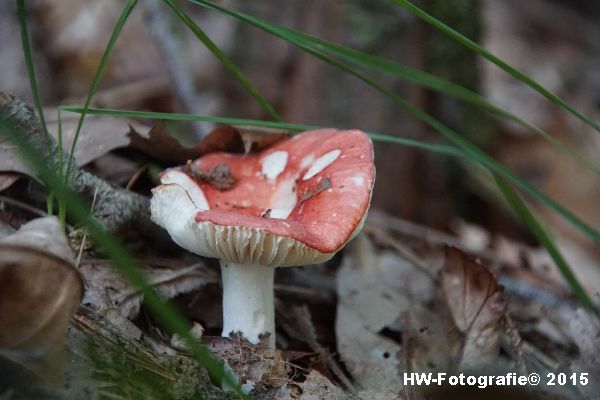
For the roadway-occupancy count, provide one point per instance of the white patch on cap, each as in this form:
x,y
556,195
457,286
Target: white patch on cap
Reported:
x,y
358,180
321,163
306,161
284,200
193,190
274,164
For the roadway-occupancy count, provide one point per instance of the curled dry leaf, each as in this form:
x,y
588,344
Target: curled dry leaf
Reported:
x,y
39,292
231,139
162,146
477,304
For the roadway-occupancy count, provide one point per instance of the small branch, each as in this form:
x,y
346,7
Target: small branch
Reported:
x,y
116,209
24,206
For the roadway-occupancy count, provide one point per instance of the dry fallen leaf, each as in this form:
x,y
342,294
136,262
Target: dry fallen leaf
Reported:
x,y
98,136
477,304
39,292
162,146
232,139
373,291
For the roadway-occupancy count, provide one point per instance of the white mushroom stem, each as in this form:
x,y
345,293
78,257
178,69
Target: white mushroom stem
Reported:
x,y
248,302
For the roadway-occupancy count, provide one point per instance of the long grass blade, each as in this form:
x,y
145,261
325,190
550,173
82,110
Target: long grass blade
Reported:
x,y
379,137
26,44
465,149
395,69
536,228
166,314
497,61
127,9
227,63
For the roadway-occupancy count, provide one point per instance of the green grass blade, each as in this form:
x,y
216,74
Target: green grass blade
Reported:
x,y
26,44
497,61
378,137
398,70
127,9
545,240
465,148
165,313
227,63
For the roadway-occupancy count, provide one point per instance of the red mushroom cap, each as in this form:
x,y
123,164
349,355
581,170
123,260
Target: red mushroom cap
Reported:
x,y
313,188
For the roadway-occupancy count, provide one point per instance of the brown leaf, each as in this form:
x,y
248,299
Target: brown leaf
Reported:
x,y
162,146
99,136
240,139
39,292
230,139
476,303
223,138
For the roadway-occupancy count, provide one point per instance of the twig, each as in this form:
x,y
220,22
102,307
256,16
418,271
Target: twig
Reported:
x,y
404,251
157,20
159,281
298,324
24,206
137,176
412,229
515,341
116,209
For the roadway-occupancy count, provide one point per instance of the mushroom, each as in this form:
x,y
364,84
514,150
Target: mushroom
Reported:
x,y
295,203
